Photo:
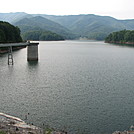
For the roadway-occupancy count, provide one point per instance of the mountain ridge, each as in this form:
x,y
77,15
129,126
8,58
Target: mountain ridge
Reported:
x,y
84,25
39,23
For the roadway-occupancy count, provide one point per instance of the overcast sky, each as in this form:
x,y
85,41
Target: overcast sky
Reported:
x,y
120,9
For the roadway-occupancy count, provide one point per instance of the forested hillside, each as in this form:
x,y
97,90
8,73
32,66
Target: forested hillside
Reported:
x,y
39,23
42,36
92,26
89,26
9,33
124,36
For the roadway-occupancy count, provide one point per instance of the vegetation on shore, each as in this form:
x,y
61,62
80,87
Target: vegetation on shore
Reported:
x,y
42,36
121,37
9,33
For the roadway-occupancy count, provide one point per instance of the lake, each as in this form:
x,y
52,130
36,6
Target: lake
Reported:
x,y
79,86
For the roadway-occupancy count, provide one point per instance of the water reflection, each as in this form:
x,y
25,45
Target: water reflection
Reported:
x,y
32,63
122,45
32,67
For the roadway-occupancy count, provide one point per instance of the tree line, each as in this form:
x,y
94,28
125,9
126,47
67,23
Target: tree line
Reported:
x,y
123,36
12,34
42,36
9,33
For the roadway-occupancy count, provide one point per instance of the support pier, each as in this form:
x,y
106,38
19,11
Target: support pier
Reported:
x,y
10,56
32,52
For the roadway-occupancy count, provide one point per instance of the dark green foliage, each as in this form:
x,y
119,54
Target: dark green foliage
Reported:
x,y
9,33
50,36
2,36
34,35
121,36
42,35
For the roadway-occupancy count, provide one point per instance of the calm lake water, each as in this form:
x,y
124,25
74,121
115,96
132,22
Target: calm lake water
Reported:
x,y
80,86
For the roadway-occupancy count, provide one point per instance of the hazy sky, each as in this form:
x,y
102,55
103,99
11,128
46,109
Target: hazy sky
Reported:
x,y
120,9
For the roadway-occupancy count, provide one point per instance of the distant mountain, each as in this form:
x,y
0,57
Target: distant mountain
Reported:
x,y
40,23
128,23
90,26
13,17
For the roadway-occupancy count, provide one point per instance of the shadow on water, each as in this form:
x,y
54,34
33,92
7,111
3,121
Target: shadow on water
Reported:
x,y
3,54
32,63
32,66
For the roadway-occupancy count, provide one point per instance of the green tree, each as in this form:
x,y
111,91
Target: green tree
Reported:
x,y
9,33
2,36
42,35
121,36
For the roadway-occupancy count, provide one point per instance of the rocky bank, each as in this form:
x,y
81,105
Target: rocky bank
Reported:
x,y
13,125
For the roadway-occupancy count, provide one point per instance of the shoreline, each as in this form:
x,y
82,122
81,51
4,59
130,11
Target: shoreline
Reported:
x,y
120,42
10,124
14,125
5,50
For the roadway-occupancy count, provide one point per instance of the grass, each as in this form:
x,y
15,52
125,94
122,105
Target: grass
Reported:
x,y
2,132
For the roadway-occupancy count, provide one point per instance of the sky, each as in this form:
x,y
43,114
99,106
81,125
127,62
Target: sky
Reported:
x,y
119,9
